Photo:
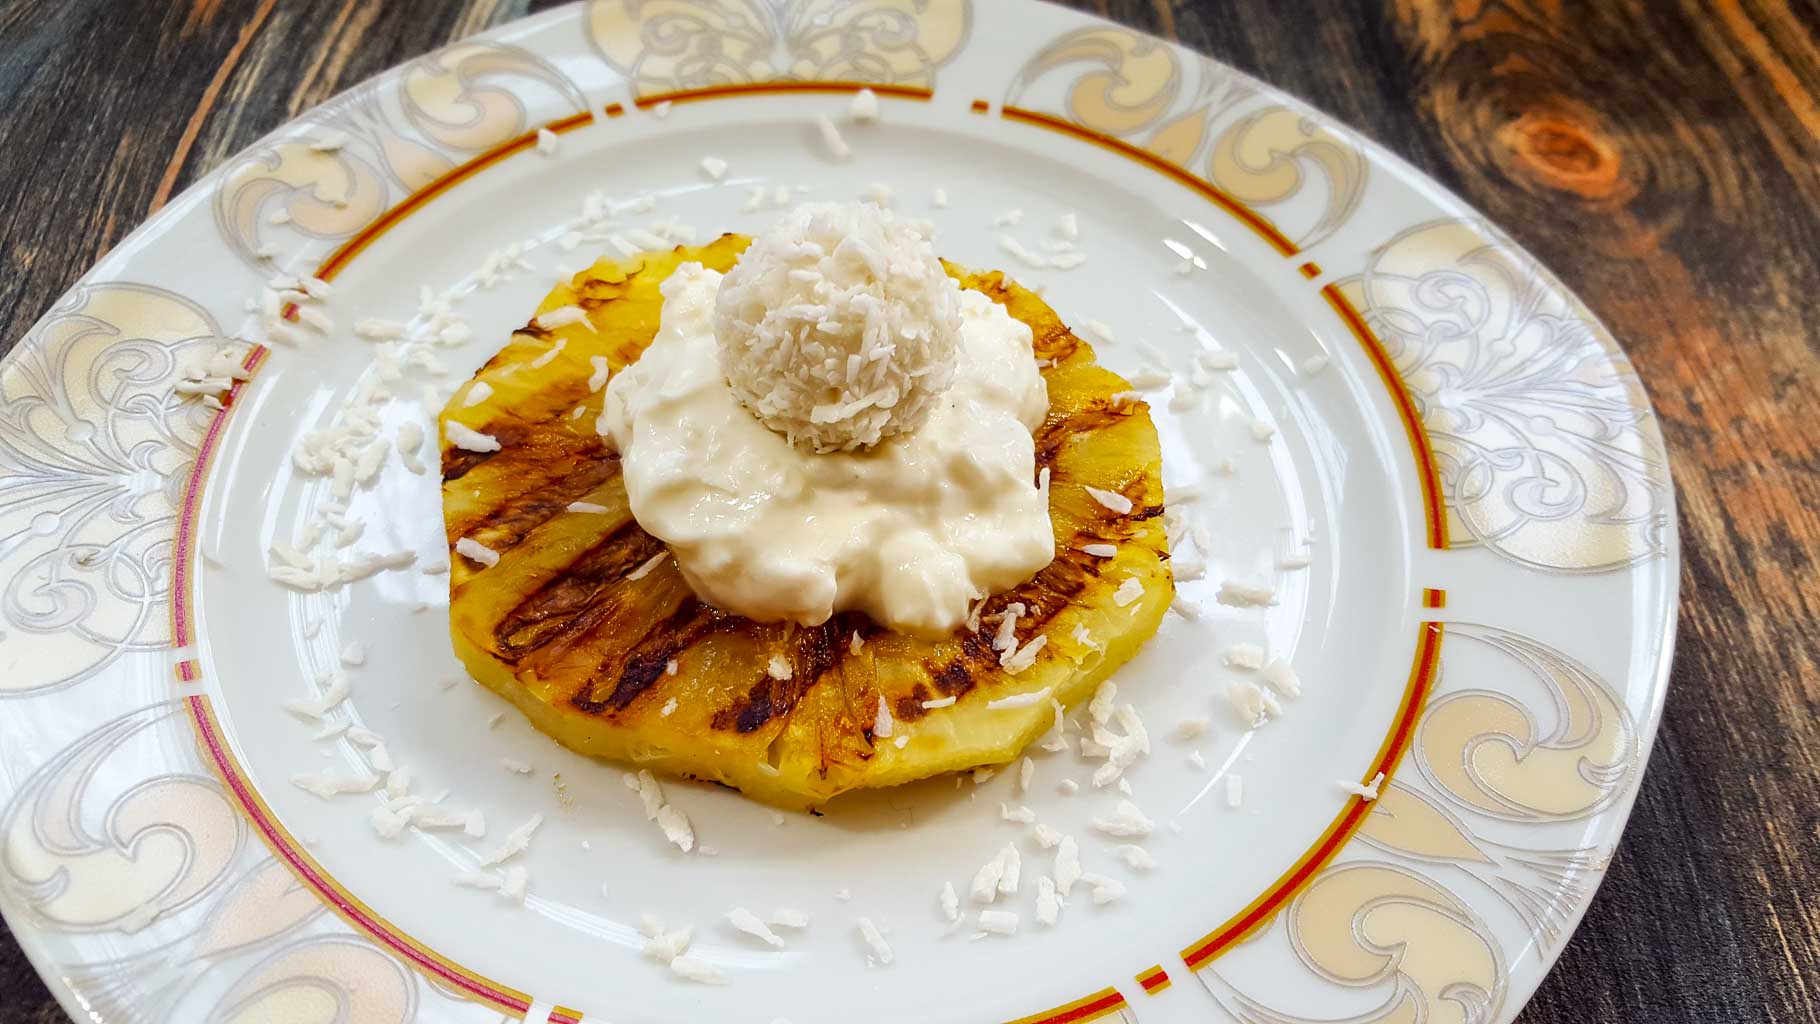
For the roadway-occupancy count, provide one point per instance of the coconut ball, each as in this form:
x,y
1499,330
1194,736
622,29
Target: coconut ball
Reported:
x,y
838,327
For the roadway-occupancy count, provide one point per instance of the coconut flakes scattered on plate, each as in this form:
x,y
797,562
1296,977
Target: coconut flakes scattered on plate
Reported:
x,y
1365,791
875,941
1126,821
746,921
864,107
831,138
1241,594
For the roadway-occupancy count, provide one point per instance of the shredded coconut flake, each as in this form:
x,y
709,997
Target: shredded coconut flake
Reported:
x,y
1240,594
546,142
1018,813
785,917
1105,890
676,827
875,941
1247,700
864,107
649,792
1112,501
1048,903
516,842
1014,662
1126,820
326,785
563,316
998,922
1282,678
1367,791
1243,656
468,547
1067,866
1013,869
986,880
714,167
746,921
648,566
692,968
831,138
468,439
1128,591
1136,856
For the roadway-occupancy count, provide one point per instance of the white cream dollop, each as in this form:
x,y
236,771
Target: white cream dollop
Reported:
x,y
909,531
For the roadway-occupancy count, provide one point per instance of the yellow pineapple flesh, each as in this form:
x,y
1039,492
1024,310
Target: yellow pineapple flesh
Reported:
x,y
640,671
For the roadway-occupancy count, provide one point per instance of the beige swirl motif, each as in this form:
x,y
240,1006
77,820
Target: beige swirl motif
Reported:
x,y
264,904
1542,886
1489,344
94,446
1262,161
87,860
673,45
473,96
1414,949
1494,755
1132,82
394,136
326,979
1184,108
1400,928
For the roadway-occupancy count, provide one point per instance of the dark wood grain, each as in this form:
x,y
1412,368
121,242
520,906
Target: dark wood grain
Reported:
x,y
1663,156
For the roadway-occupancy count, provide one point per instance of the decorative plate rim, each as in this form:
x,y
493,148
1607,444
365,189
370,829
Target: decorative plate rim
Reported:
x,y
1610,816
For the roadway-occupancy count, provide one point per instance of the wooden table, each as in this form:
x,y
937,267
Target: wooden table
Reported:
x,y
1663,156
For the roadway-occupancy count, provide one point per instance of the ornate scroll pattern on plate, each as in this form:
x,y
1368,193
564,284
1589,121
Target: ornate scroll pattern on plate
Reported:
x,y
155,905
94,447
674,45
1542,886
1202,116
328,177
85,859
1518,733
1404,948
1492,754
1538,424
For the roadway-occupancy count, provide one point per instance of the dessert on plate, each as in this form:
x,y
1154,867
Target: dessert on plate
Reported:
x,y
800,514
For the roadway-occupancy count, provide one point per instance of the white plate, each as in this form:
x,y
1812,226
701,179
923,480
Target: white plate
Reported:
x,y
1474,473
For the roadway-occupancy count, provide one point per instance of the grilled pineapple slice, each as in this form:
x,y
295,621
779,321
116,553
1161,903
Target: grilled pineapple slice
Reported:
x,y
640,671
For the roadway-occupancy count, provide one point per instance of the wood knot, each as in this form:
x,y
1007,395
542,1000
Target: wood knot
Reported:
x,y
1562,150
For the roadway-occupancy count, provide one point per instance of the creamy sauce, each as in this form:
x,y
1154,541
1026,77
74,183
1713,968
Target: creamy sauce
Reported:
x,y
908,532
